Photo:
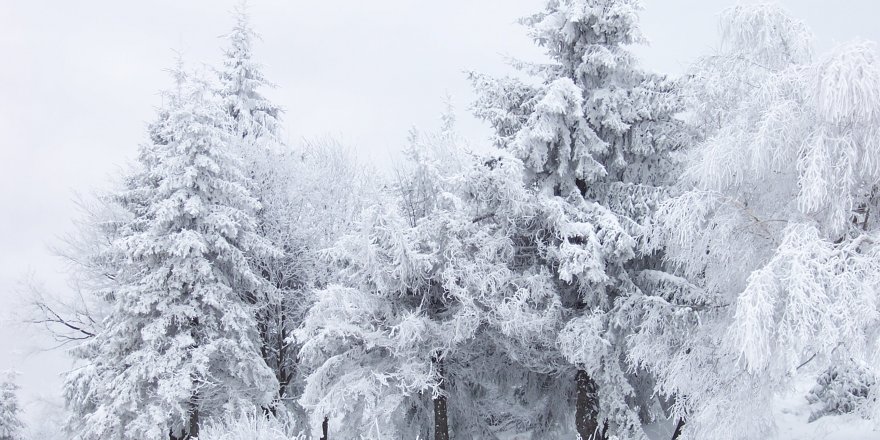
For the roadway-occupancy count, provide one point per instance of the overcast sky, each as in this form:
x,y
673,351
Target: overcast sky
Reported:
x,y
79,80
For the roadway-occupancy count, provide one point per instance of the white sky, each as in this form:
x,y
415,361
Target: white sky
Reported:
x,y
79,80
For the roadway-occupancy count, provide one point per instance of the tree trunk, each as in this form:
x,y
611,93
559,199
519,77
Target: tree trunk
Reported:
x,y
284,375
679,427
324,429
193,429
587,410
441,418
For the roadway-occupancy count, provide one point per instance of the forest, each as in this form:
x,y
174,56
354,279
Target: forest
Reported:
x,y
630,256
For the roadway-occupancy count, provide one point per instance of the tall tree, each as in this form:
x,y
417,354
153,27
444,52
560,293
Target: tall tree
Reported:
x,y
255,123
774,233
180,342
310,194
11,425
596,134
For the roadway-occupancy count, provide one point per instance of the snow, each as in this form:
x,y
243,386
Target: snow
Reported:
x,y
634,247
792,412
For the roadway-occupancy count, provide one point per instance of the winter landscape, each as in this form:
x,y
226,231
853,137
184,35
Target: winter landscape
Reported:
x,y
467,220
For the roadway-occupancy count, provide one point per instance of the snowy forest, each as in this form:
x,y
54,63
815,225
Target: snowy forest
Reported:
x,y
630,256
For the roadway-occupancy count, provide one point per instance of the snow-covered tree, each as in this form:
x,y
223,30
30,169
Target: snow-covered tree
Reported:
x,y
842,389
774,235
596,135
256,128
309,198
309,194
11,426
255,118
400,346
371,340
180,343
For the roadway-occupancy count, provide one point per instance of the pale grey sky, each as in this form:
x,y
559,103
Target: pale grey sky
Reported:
x,y
80,79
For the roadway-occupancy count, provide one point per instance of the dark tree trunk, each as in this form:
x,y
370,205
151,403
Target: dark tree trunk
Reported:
x,y
263,329
679,427
193,430
190,430
285,373
441,418
587,410
324,429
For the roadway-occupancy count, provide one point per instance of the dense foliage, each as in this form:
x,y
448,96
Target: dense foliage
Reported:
x,y
631,250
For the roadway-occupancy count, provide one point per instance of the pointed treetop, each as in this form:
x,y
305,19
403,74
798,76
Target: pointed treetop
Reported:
x,y
581,35
255,117
447,127
179,77
242,34
10,423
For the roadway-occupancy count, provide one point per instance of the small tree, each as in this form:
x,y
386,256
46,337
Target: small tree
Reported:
x,y
11,425
843,389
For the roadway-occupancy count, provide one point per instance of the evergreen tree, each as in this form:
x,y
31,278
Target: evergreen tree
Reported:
x,y
256,128
255,118
180,342
596,135
309,196
10,423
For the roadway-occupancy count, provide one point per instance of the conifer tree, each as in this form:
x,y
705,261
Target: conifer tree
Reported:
x,y
256,129
596,134
255,118
11,425
309,195
180,343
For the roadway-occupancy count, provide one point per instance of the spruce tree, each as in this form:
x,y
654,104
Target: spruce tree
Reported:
x,y
309,195
10,422
180,343
596,134
255,130
255,118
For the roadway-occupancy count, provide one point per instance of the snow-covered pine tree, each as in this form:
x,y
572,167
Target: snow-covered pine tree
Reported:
x,y
842,389
11,426
309,196
180,342
256,130
255,118
596,134
775,233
